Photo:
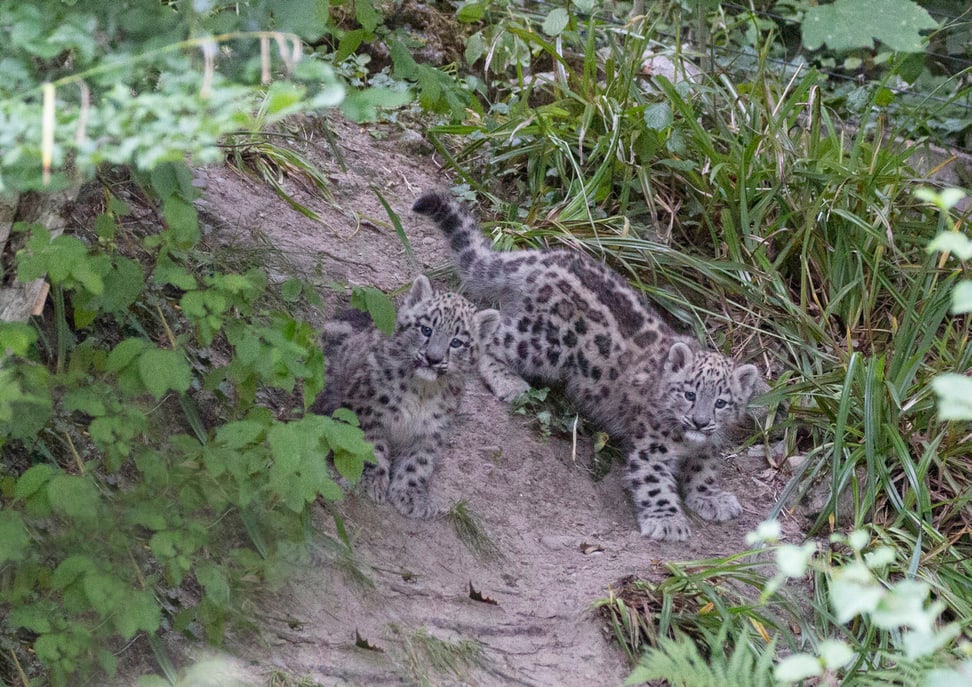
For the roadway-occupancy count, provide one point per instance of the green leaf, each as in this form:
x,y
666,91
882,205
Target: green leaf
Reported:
x,y
16,338
367,15
75,497
33,479
32,617
162,369
235,435
168,272
471,12
307,18
556,22
658,116
182,220
854,24
139,612
14,539
954,396
125,353
283,97
213,580
835,654
70,569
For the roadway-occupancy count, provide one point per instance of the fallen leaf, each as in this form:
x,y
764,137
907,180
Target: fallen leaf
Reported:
x,y
363,643
588,549
476,596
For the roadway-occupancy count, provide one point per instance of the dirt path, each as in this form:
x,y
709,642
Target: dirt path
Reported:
x,y
538,505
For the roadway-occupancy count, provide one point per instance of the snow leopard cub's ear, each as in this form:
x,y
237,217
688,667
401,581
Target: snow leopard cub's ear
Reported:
x,y
745,378
679,359
421,290
485,323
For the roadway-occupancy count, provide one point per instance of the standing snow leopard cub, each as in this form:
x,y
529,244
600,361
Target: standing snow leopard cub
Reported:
x,y
566,318
405,388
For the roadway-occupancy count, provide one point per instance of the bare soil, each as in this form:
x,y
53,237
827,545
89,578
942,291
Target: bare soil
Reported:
x,y
563,538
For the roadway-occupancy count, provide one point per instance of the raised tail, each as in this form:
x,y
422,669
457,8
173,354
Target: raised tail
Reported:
x,y
478,264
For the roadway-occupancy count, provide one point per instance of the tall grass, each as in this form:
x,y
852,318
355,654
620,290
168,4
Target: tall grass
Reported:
x,y
783,235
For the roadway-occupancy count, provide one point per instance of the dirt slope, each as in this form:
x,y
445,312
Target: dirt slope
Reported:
x,y
535,499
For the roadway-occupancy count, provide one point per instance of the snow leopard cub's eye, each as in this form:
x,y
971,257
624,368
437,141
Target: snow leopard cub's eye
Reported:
x,y
721,403
425,329
456,343
689,395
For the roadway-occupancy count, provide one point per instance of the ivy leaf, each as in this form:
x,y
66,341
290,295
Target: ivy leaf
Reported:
x,y
162,369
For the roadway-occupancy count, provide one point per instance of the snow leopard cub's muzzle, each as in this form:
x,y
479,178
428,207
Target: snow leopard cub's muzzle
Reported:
x,y
432,360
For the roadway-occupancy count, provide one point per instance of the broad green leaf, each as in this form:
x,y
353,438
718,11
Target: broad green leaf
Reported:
x,y
32,617
367,15
14,539
904,606
470,12
16,338
163,370
75,497
658,116
283,97
182,220
241,433
139,612
105,593
213,580
125,353
33,479
168,272
70,569
854,24
307,18
556,22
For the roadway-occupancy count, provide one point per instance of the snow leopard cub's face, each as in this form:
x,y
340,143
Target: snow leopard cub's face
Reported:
x,y
707,394
441,332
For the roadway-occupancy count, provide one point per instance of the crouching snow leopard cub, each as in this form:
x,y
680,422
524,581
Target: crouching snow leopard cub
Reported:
x,y
568,319
404,388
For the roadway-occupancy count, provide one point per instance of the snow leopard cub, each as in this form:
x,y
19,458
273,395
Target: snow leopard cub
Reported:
x,y
405,388
568,319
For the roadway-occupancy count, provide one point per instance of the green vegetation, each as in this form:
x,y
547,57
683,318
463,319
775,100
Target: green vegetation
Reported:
x,y
152,434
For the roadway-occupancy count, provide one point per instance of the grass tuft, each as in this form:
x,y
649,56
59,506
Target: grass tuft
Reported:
x,y
471,532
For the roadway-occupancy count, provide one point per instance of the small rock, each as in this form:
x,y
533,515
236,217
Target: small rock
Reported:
x,y
413,142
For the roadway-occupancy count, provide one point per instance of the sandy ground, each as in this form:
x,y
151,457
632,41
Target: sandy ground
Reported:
x,y
562,538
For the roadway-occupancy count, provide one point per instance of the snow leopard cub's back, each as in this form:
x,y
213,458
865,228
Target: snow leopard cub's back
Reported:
x,y
568,319
404,388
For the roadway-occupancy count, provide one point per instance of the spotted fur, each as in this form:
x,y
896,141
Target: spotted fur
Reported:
x,y
568,319
404,388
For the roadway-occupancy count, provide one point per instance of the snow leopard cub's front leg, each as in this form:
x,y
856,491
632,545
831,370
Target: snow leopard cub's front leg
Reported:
x,y
700,473
376,476
409,487
651,481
